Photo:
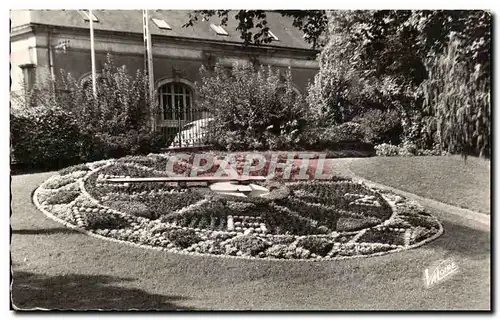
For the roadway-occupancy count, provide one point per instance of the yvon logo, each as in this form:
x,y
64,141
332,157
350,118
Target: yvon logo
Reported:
x,y
439,273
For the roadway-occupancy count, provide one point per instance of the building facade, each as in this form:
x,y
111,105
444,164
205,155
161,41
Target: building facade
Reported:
x,y
43,42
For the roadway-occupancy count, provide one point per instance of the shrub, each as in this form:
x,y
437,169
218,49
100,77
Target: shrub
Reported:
x,y
331,96
283,251
386,150
62,197
100,220
382,236
182,238
406,149
250,245
316,245
345,136
140,141
351,224
285,239
57,182
345,132
135,208
380,126
45,136
457,93
72,125
253,109
75,168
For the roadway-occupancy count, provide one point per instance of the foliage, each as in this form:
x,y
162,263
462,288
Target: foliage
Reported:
x,y
57,182
382,59
95,219
253,109
312,22
347,131
350,224
75,168
136,208
62,197
71,124
283,251
249,244
380,126
316,245
182,238
347,135
406,149
45,136
459,99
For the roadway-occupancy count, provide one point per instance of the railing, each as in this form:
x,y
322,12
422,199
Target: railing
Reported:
x,y
184,129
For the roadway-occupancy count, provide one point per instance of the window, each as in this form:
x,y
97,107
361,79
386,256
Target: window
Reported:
x,y
219,30
175,101
29,75
272,35
283,89
86,16
160,23
86,81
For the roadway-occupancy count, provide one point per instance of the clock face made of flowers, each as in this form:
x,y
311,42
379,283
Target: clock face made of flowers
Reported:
x,y
318,220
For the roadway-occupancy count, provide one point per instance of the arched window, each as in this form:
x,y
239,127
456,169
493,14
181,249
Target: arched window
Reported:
x,y
175,101
86,80
295,92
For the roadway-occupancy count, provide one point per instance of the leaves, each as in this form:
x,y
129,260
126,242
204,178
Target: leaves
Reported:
x,y
459,99
253,108
253,26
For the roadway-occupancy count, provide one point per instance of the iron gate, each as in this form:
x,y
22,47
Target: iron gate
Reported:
x,y
181,128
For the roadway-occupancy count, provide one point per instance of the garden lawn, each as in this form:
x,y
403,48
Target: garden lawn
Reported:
x,y
54,267
448,179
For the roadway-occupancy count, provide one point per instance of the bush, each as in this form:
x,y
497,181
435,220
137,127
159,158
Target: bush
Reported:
x,y
380,126
100,220
457,93
62,197
250,245
135,208
45,136
57,182
75,168
351,224
182,238
253,109
345,136
283,251
406,149
345,132
386,150
72,125
316,245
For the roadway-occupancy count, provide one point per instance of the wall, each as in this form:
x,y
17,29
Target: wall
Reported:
x,y
170,56
22,52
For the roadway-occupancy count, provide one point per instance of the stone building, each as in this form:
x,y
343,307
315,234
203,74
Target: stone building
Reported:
x,y
44,42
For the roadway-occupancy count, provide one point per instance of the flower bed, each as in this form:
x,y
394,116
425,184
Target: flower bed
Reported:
x,y
318,220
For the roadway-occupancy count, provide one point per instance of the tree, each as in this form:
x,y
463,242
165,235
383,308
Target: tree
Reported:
x,y
383,59
459,100
252,24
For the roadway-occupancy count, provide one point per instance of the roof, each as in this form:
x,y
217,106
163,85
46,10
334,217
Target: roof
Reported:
x,y
131,21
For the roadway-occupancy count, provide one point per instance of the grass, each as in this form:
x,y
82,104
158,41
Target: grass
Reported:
x,y
54,267
447,179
